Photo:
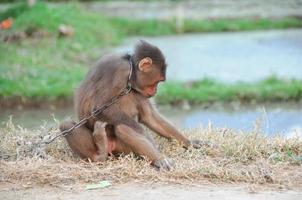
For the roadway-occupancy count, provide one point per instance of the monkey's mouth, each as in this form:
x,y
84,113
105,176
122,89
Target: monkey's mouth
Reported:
x,y
147,95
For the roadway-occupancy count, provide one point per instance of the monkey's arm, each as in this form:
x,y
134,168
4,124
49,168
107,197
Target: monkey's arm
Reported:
x,y
152,119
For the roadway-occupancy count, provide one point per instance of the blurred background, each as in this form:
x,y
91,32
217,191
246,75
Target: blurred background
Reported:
x,y
232,63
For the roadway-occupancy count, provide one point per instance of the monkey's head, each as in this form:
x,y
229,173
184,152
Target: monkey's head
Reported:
x,y
149,68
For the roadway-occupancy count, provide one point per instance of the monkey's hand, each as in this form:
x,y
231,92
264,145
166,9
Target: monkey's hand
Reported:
x,y
163,164
197,144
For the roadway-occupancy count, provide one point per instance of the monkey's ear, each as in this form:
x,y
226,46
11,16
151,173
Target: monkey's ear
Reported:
x,y
145,64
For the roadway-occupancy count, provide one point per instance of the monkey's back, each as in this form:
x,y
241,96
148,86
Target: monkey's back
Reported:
x,y
102,82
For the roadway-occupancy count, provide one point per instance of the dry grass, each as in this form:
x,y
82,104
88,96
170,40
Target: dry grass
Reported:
x,y
229,157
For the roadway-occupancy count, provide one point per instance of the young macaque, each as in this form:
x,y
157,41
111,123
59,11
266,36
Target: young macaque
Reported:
x,y
118,129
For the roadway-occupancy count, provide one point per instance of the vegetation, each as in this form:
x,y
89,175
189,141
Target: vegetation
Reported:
x,y
226,157
43,64
271,89
155,27
36,63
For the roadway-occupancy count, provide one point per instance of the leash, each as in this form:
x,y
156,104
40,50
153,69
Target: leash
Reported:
x,y
97,111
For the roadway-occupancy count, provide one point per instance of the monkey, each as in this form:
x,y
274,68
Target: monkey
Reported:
x,y
119,128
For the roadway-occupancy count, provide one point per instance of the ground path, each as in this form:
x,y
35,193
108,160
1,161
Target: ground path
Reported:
x,y
134,191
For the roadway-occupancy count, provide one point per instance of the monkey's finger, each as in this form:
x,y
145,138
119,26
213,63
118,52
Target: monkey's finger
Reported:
x,y
163,164
197,144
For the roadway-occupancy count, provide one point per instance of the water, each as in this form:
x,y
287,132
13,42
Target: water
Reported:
x,y
230,57
283,119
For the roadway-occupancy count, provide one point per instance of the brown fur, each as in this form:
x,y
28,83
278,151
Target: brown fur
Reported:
x,y
124,132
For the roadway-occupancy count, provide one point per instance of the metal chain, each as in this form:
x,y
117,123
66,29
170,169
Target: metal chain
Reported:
x,y
98,111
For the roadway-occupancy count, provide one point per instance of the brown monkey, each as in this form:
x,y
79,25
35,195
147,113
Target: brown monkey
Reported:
x,y
122,132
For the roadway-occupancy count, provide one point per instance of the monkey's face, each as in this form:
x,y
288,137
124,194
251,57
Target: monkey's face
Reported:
x,y
148,77
150,90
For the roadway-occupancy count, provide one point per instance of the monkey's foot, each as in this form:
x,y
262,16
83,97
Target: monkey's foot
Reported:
x,y
101,141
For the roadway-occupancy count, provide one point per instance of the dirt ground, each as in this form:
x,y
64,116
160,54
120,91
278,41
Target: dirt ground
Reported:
x,y
162,191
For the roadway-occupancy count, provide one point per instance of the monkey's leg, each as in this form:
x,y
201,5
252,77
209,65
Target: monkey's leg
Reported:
x,y
83,142
115,145
136,140
141,145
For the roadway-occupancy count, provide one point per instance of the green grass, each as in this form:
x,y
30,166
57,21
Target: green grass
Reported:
x,y
271,89
167,27
50,67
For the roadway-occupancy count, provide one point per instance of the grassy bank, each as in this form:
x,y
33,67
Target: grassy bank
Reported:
x,y
271,89
168,27
44,65
37,64
228,157
199,92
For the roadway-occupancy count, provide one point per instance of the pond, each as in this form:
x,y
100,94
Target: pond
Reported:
x,y
230,57
284,119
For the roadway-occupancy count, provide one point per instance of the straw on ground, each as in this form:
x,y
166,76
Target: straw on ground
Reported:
x,y
227,156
